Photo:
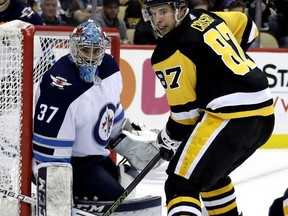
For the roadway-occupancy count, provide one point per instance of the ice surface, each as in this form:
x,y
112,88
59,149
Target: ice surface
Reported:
x,y
261,179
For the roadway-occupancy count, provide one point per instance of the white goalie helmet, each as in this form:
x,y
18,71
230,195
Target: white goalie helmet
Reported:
x,y
88,43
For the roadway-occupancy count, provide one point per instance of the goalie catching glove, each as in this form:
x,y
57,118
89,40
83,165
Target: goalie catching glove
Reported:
x,y
167,145
138,147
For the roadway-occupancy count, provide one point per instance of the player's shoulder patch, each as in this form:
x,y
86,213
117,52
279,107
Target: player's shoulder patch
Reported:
x,y
59,82
203,22
27,12
61,75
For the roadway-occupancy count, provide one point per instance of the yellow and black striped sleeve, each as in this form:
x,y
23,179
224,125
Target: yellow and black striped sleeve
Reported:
x,y
242,27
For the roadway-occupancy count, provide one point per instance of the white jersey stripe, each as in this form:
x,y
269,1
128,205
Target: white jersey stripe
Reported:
x,y
243,98
186,115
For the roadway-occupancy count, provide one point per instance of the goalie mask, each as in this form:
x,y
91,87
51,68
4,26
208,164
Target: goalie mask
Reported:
x,y
88,43
175,4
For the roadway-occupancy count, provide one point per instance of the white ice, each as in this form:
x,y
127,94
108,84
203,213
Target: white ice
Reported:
x,y
261,179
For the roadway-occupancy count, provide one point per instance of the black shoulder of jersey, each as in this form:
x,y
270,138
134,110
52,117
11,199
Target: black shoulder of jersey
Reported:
x,y
200,12
188,36
19,9
182,34
108,67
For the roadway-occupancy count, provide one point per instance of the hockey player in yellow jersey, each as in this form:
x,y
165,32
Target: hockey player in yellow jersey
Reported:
x,y
221,109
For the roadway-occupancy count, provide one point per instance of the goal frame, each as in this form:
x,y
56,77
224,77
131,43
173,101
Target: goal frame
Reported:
x,y
27,98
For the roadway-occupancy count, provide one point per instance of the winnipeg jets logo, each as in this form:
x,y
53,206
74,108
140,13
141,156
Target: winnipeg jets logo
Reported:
x,y
103,127
27,12
107,123
59,82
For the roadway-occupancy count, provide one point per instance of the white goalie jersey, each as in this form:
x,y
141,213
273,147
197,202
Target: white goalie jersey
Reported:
x,y
74,118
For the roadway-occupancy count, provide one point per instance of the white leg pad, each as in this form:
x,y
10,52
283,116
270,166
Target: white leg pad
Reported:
x,y
54,189
127,177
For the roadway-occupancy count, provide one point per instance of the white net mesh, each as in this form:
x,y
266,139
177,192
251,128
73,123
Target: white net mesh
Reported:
x,y
49,46
10,114
47,49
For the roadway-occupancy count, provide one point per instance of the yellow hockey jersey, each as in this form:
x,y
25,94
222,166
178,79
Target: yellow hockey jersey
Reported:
x,y
203,66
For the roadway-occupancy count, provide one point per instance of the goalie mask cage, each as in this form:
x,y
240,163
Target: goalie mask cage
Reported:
x,y
26,52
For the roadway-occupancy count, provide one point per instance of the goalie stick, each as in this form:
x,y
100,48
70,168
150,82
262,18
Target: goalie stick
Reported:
x,y
33,201
132,185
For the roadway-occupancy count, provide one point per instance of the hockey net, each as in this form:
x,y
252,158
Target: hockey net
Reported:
x,y
26,52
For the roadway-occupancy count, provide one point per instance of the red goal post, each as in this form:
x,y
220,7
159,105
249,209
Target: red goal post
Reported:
x,y
26,52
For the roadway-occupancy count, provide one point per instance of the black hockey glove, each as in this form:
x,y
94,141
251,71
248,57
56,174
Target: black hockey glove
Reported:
x,y
167,145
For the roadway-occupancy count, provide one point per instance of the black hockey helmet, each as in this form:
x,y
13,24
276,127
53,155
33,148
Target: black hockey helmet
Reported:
x,y
177,3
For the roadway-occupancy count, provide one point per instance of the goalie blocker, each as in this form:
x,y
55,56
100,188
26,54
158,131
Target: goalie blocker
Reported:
x,y
138,146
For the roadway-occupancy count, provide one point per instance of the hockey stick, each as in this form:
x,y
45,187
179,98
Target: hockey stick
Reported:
x,y
32,201
132,185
